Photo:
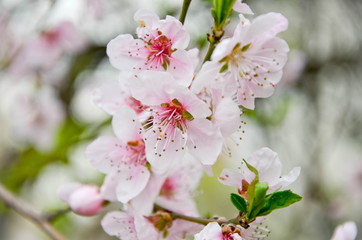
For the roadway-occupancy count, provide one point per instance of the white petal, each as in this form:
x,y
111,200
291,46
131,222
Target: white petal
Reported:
x,y
285,180
119,224
108,189
346,231
205,77
226,116
105,153
109,97
148,17
122,51
181,228
132,180
242,8
207,139
145,200
126,125
266,26
231,178
267,163
175,31
212,231
163,154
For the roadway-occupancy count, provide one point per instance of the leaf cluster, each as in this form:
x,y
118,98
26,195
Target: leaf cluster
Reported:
x,y
260,203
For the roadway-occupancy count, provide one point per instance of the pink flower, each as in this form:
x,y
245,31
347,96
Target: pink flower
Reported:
x,y
122,158
176,191
346,231
43,52
269,167
129,225
213,231
250,62
161,47
83,199
173,190
178,121
36,113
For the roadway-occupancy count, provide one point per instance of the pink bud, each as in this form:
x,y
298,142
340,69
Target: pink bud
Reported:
x,y
83,199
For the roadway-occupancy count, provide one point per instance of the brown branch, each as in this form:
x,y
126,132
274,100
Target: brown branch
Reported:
x,y
25,210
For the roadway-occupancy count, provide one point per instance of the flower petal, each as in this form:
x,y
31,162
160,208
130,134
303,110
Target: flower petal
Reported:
x,y
105,154
132,180
126,125
204,141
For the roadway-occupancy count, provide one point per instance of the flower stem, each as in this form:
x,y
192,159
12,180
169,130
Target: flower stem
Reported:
x,y
209,52
185,7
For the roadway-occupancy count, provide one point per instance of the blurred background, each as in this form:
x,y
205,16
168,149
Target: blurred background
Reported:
x,y
52,56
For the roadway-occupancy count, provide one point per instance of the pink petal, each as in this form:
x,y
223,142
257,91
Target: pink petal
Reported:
x,y
109,97
132,180
231,178
346,231
175,31
108,189
120,224
207,139
122,51
105,154
212,231
126,125
242,8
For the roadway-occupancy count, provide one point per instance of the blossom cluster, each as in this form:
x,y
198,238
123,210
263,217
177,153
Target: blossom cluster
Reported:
x,y
172,116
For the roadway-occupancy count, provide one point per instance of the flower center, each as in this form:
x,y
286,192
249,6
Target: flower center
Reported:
x,y
235,58
172,116
136,152
168,188
159,51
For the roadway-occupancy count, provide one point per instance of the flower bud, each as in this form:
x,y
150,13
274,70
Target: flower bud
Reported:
x,y
83,199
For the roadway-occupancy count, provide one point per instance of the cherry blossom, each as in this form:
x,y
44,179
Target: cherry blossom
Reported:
x,y
176,190
251,61
36,113
178,121
83,199
213,231
122,158
42,52
269,167
346,231
160,47
129,225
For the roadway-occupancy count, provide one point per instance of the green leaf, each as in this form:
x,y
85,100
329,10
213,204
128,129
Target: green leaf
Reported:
x,y
278,200
253,169
239,202
222,11
259,199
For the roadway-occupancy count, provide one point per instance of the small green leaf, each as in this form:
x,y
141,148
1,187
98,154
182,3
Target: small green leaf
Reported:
x,y
253,169
259,199
239,202
278,200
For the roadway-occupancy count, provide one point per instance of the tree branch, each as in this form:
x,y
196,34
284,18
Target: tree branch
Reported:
x,y
25,210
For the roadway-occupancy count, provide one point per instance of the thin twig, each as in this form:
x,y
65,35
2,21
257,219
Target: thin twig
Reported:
x,y
185,7
25,210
